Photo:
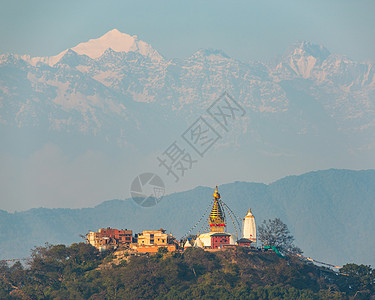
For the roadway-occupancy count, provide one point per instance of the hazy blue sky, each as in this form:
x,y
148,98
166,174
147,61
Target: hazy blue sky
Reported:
x,y
243,29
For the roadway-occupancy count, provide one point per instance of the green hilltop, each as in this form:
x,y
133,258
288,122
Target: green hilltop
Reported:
x,y
81,272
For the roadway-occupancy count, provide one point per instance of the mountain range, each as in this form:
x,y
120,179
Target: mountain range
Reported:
x,y
330,214
97,88
118,98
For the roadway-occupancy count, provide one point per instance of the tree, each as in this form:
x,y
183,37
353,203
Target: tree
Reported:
x,y
357,278
190,237
276,233
162,250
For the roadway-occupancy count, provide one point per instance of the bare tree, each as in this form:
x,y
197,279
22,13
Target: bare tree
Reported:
x,y
276,233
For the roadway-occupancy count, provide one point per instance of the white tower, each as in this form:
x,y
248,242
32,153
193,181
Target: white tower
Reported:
x,y
249,228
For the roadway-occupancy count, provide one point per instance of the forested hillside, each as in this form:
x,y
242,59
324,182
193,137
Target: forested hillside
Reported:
x,y
80,272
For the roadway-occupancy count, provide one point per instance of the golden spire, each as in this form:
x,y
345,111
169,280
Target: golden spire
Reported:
x,y
217,219
249,214
216,212
216,194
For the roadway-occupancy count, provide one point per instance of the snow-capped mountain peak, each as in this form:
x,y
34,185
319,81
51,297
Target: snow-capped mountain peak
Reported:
x,y
118,42
308,49
94,48
303,59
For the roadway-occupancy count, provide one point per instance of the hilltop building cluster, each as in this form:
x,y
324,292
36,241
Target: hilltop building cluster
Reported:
x,y
149,241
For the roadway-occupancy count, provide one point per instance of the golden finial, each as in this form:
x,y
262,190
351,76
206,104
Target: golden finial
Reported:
x,y
249,210
216,194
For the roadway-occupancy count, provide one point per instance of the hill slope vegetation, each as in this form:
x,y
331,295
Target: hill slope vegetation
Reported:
x,y
80,272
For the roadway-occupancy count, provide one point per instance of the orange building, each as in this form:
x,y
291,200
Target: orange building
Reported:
x,y
149,241
153,237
